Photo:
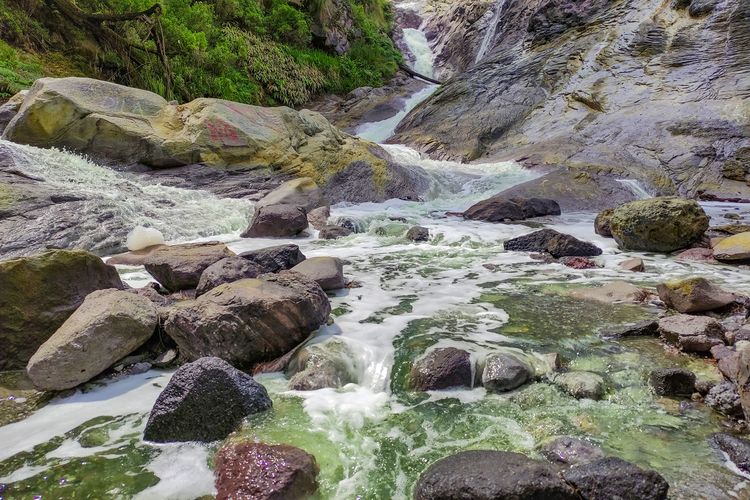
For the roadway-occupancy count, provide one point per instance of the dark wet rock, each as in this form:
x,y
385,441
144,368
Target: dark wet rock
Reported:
x,y
276,258
501,209
737,449
39,293
226,270
504,372
328,272
249,321
672,382
488,475
442,368
658,224
634,265
418,233
258,471
108,325
277,221
318,217
204,401
580,385
179,267
578,262
691,333
693,295
552,242
333,232
320,365
299,192
646,328
601,222
725,399
611,477
571,451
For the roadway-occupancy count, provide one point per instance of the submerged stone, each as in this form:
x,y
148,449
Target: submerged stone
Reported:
x,y
580,385
672,382
571,451
504,372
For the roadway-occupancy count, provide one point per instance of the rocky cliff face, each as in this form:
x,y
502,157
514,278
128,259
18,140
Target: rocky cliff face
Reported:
x,y
651,89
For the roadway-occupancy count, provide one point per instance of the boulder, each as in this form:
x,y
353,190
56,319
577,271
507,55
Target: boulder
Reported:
x,y
658,224
734,248
737,449
333,232
250,320
277,221
179,267
691,333
276,258
487,475
9,109
571,451
226,270
634,265
418,233
258,471
612,292
328,272
693,295
504,372
697,255
602,221
610,478
672,382
300,192
500,209
134,257
109,325
580,385
204,401
37,295
743,375
552,242
725,399
320,365
318,217
442,368
646,328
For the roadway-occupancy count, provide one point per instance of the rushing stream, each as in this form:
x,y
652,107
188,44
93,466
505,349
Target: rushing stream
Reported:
x,y
373,438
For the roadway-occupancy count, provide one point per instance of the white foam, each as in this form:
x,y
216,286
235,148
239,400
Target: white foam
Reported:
x,y
142,237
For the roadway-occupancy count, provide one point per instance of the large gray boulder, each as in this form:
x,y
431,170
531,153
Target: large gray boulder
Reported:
x,y
328,272
204,401
179,267
39,293
109,325
658,224
226,270
250,320
277,221
489,475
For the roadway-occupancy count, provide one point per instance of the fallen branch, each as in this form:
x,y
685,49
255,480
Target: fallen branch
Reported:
x,y
414,74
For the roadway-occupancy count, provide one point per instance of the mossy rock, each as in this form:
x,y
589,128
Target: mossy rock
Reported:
x,y
658,224
39,293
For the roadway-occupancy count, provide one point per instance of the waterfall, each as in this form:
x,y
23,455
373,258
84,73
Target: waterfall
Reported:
x,y
489,35
424,58
636,188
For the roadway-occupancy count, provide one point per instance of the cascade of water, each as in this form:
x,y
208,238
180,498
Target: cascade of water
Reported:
x,y
489,35
636,187
424,58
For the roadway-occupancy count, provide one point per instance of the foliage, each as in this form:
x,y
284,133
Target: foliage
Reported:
x,y
253,51
16,73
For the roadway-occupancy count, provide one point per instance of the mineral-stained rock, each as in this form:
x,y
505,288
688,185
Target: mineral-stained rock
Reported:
x,y
734,248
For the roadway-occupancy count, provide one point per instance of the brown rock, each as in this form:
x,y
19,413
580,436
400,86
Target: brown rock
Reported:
x,y
179,267
693,295
634,265
442,368
616,291
601,223
698,255
277,221
691,333
133,258
318,217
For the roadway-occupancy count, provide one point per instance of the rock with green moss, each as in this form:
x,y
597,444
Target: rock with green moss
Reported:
x,y
693,295
326,364
580,385
733,249
39,293
658,224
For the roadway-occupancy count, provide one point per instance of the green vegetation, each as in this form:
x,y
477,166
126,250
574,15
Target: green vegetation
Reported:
x,y
255,51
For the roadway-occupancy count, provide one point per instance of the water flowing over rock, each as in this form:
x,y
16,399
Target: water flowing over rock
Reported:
x,y
571,451
276,258
328,272
600,110
691,333
693,295
108,325
326,364
553,243
442,368
418,234
249,321
226,270
261,471
504,372
737,449
491,474
39,293
658,224
301,192
615,478
179,267
277,221
580,385
204,401
333,232
499,209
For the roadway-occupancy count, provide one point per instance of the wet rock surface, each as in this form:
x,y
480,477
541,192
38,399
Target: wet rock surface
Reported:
x,y
276,258
333,232
571,451
204,401
277,221
615,478
226,270
672,382
500,209
442,368
553,243
179,267
328,272
580,385
504,372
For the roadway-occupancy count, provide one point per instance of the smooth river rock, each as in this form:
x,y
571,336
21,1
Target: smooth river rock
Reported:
x,y
691,333
179,267
693,295
226,270
109,325
328,272
277,221
39,293
204,401
276,258
442,368
613,478
580,385
734,248
500,208
505,372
